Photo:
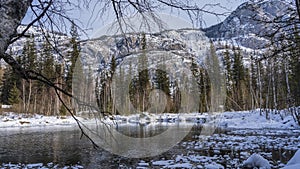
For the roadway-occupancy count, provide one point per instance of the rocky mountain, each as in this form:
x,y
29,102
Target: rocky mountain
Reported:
x,y
176,48
250,27
179,47
254,23
58,40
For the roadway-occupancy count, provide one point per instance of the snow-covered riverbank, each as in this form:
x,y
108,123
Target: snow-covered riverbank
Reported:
x,y
236,120
256,119
13,120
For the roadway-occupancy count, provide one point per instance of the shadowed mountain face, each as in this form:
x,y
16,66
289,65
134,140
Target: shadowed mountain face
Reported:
x,y
184,45
251,26
253,23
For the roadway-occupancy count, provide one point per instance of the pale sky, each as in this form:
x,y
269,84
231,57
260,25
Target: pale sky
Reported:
x,y
93,24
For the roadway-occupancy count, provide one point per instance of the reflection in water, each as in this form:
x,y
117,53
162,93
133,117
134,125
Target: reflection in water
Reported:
x,y
66,147
59,147
141,131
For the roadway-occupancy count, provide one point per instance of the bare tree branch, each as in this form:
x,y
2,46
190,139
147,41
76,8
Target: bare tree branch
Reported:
x,y
33,22
54,15
298,7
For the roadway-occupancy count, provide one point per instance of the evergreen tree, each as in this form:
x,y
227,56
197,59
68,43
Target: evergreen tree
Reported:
x,y
227,62
254,90
143,85
131,89
162,82
238,78
295,68
48,63
78,79
121,99
74,55
14,95
10,78
215,79
29,60
29,54
89,93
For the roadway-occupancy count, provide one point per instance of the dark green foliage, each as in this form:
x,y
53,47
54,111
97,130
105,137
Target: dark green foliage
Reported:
x,y
215,80
74,56
29,57
140,87
162,83
227,62
238,79
62,110
264,83
14,95
47,63
10,79
295,68
203,82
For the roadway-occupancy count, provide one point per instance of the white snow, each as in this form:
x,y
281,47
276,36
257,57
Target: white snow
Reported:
x,y
181,165
162,162
3,106
294,162
189,161
143,164
234,120
39,166
257,161
214,166
13,120
34,165
255,120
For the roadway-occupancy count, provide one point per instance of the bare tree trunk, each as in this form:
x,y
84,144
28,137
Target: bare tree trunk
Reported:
x,y
274,85
29,97
113,99
50,105
268,94
57,105
43,102
144,93
288,102
250,87
34,105
24,95
260,88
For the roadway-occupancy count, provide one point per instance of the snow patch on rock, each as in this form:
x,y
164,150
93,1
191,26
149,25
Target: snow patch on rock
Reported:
x,y
257,161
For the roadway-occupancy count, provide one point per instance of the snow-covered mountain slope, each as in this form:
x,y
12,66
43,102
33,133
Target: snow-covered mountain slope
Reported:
x,y
180,46
248,27
253,23
58,40
185,44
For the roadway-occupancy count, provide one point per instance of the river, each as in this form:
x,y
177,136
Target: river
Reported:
x,y
62,146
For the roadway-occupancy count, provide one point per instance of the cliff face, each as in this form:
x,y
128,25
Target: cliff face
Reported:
x,y
176,48
253,23
180,46
250,27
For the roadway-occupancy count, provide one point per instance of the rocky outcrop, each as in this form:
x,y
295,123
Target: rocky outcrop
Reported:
x,y
251,24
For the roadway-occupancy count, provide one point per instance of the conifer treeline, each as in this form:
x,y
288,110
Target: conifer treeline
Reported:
x,y
28,96
272,83
250,82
